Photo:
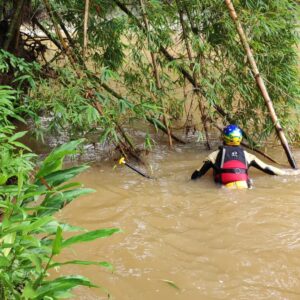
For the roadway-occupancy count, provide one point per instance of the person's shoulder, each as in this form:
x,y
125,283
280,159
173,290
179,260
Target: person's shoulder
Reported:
x,y
249,156
213,155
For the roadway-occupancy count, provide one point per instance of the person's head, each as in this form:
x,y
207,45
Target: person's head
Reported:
x,y
232,135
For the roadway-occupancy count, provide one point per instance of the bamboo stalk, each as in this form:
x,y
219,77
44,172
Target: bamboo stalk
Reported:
x,y
85,27
261,83
156,72
189,52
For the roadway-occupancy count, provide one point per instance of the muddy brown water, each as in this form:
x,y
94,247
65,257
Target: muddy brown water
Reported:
x,y
212,243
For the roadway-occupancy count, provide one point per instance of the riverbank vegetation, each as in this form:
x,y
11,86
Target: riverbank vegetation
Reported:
x,y
99,66
31,237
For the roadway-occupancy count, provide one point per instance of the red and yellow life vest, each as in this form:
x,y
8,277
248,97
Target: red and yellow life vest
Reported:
x,y
231,165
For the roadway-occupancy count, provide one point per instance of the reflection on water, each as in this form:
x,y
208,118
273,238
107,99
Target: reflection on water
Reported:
x,y
211,242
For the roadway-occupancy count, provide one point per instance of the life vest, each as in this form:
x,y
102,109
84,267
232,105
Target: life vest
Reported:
x,y
231,165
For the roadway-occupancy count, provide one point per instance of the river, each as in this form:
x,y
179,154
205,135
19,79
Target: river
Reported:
x,y
185,240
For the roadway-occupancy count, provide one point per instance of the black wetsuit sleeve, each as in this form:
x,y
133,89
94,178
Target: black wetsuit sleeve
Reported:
x,y
198,173
264,168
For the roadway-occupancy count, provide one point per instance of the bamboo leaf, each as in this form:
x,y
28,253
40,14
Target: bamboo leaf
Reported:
x,y
57,243
170,283
85,263
40,222
90,236
20,145
16,136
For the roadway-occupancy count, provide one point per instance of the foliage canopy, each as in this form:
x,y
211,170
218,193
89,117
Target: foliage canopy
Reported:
x,y
175,64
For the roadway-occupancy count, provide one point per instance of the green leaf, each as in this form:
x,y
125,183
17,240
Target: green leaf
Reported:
x,y
54,160
69,185
57,243
3,178
90,236
61,284
4,262
8,239
36,260
40,222
85,263
29,292
20,145
170,283
51,228
56,178
16,136
54,202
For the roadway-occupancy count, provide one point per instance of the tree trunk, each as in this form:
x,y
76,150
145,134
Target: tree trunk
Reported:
x,y
14,28
261,84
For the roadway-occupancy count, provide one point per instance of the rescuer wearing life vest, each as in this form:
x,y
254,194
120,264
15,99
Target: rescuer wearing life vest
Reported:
x,y
231,162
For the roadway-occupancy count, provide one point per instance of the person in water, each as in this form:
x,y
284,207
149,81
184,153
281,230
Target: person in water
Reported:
x,y
231,162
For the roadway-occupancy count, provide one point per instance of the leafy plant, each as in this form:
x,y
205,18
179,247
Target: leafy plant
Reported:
x,y
30,235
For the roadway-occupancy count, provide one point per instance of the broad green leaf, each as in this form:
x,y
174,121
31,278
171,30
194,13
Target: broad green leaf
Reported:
x,y
56,201
29,292
3,178
4,262
68,186
57,243
53,161
14,227
56,178
8,239
63,283
90,236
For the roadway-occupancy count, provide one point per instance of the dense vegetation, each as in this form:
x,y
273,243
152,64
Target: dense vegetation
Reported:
x,y
102,65
30,236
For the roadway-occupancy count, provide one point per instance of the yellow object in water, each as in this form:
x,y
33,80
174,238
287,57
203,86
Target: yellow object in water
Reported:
x,y
237,185
122,161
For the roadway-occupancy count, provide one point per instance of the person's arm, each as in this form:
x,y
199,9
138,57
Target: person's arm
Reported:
x,y
198,173
260,165
208,163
